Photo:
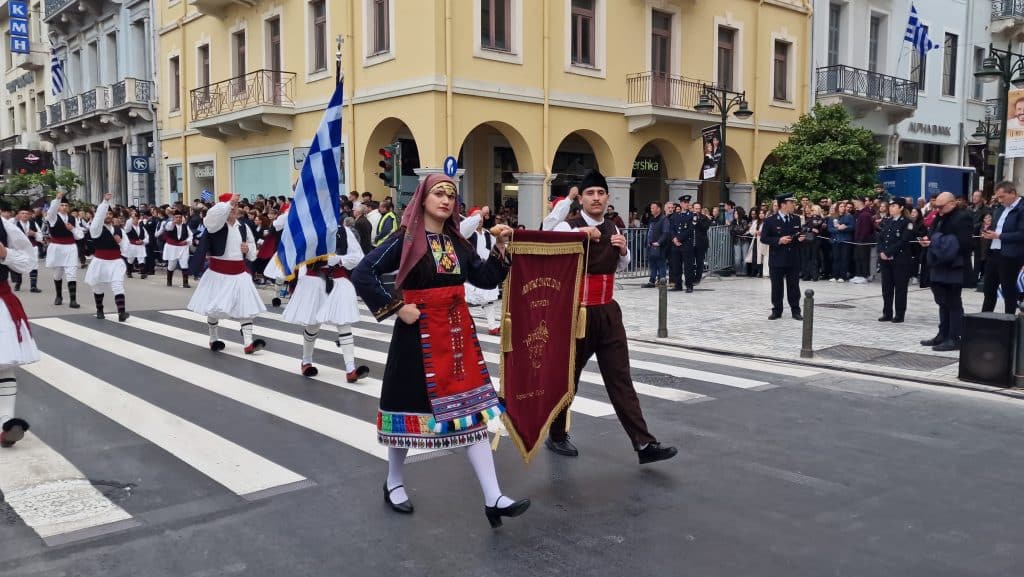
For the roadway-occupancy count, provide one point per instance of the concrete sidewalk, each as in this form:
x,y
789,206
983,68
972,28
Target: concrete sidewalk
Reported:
x,y
730,315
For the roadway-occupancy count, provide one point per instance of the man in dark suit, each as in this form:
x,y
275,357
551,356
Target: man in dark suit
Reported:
x,y
781,232
1006,254
949,256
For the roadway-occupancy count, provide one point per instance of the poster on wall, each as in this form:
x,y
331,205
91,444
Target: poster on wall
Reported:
x,y
1015,124
711,138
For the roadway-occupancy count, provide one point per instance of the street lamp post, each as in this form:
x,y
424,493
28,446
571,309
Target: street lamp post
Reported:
x,y
1008,68
989,130
725,101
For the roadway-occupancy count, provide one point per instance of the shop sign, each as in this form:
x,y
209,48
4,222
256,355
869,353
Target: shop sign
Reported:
x,y
932,129
204,170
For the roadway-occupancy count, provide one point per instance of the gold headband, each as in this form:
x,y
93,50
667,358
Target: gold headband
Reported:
x,y
447,187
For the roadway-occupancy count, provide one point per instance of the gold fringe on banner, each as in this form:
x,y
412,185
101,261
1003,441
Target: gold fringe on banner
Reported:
x,y
545,249
506,333
581,323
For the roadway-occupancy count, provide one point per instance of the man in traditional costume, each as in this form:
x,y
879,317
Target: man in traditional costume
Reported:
x,y
607,253
177,238
436,391
472,228
106,270
226,290
16,344
31,230
62,254
134,244
324,294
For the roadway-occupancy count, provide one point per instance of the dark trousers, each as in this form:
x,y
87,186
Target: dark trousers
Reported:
x,y
675,266
699,254
826,256
1001,272
606,337
925,278
787,277
841,260
809,259
951,310
862,260
895,280
691,270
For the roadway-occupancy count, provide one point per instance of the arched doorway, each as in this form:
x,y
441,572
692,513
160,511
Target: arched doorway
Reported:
x,y
654,163
389,131
492,153
578,152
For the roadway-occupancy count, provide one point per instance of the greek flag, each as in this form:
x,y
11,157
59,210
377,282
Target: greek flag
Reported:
x,y
206,196
917,34
56,72
313,219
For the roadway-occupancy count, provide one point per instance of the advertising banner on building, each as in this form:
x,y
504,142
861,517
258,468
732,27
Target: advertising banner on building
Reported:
x,y
1015,124
711,137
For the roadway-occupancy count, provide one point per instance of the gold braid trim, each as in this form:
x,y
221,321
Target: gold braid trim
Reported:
x,y
545,249
295,269
388,309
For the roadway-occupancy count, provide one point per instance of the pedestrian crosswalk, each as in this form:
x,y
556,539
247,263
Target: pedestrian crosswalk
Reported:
x,y
153,382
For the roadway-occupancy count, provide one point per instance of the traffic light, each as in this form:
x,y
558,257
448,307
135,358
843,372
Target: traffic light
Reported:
x,y
389,165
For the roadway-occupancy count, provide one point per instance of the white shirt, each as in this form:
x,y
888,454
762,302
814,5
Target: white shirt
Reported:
x,y
555,220
216,219
997,244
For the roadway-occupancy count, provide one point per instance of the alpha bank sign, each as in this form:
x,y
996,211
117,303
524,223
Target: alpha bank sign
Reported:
x,y
17,10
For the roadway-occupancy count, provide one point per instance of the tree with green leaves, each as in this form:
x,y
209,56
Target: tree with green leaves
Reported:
x,y
825,156
21,189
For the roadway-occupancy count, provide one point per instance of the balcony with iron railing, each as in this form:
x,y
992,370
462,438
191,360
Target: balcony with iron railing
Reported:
x,y
253,102
862,90
129,98
1007,10
653,96
42,119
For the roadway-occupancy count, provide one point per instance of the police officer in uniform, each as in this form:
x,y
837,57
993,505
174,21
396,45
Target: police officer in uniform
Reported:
x,y
781,232
895,260
681,262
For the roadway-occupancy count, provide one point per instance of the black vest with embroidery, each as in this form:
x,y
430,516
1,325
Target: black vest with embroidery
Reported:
x,y
105,241
219,240
174,235
136,233
603,258
59,229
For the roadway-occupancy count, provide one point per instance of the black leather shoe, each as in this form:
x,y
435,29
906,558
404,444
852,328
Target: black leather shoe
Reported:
x,y
654,452
34,290
99,314
897,319
774,316
689,289
798,316
884,319
494,514
949,345
936,340
564,448
404,507
74,304
121,317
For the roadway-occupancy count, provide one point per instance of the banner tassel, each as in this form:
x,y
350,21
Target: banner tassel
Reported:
x,y
506,333
581,323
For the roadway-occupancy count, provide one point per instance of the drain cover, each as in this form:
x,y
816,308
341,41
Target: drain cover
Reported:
x,y
834,306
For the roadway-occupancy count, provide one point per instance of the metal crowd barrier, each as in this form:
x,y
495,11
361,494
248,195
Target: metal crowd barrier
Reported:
x,y
636,240
720,251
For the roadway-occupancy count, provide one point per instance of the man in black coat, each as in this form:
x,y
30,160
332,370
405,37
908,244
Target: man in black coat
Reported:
x,y
949,256
781,232
1006,253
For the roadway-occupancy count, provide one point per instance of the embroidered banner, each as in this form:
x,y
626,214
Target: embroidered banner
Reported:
x,y
540,309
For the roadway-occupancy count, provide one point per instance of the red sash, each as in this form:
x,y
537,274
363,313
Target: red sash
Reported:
x,y
169,240
14,307
458,382
597,289
334,271
227,266
107,253
62,240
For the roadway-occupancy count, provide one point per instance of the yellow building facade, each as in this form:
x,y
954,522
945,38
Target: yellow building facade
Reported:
x,y
527,94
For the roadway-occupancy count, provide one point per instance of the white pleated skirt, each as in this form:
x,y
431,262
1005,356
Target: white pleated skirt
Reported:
x,y
61,255
340,307
104,271
133,251
175,253
12,352
226,296
479,296
310,294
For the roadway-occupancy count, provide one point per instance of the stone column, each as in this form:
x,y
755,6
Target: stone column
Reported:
x,y
115,178
531,198
96,169
742,193
679,187
77,159
618,193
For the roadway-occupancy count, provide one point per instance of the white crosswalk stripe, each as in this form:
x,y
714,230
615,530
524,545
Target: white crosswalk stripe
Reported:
x,y
33,469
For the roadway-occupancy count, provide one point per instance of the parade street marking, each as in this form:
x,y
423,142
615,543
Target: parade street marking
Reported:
x,y
729,361
236,468
667,393
52,496
353,432
697,375
583,405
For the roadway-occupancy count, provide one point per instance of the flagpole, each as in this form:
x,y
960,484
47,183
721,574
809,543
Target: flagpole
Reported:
x,y
339,77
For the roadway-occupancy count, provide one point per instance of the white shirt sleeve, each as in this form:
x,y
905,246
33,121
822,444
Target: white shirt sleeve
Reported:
x,y
623,259
21,255
169,226
96,227
280,221
557,216
51,213
77,232
217,216
355,252
469,224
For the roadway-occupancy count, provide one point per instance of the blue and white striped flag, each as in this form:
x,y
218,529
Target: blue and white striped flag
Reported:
x,y
206,196
917,34
56,72
313,219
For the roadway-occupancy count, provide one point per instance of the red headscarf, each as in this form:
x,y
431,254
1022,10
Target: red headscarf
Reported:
x,y
414,244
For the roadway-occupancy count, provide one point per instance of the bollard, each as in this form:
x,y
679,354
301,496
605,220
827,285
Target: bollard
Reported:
x,y
662,310
807,349
1018,373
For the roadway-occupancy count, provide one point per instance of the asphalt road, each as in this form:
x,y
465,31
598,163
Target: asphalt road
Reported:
x,y
153,456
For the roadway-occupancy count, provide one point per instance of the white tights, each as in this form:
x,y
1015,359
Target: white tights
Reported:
x,y
480,458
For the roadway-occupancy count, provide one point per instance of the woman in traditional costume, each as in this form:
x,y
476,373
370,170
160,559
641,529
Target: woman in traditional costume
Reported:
x,y
437,392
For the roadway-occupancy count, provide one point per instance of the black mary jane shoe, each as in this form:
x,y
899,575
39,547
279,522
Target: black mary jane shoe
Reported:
x,y
405,507
494,514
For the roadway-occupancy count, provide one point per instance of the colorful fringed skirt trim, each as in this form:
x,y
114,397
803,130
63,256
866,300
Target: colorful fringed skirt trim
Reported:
x,y
415,431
